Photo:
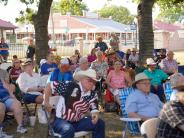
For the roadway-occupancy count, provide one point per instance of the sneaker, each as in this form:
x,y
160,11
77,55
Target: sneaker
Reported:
x,y
21,129
4,135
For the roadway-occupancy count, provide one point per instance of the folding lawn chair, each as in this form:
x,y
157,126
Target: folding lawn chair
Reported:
x,y
167,90
53,102
131,124
19,95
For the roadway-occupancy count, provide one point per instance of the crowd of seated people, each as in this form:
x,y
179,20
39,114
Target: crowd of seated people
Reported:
x,y
77,79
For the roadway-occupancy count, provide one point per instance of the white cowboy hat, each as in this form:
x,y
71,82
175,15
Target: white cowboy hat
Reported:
x,y
86,73
140,76
150,61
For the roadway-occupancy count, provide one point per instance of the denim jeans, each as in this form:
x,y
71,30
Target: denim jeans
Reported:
x,y
67,129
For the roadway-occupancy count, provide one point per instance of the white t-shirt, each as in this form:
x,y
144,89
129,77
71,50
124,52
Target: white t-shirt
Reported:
x,y
25,81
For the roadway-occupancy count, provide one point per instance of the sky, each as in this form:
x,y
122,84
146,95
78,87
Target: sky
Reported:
x,y
11,11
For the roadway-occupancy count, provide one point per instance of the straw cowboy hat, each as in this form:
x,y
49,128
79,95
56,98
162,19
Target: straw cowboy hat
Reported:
x,y
27,62
90,73
177,81
139,77
150,61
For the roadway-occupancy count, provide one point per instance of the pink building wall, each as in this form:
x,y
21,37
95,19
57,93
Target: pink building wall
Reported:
x,y
170,40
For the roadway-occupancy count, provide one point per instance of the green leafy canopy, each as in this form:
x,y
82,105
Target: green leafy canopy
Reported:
x,y
118,13
75,7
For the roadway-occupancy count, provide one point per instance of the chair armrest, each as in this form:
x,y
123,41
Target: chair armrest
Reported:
x,y
130,119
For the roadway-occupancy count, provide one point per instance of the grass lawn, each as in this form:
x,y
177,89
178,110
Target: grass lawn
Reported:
x,y
113,128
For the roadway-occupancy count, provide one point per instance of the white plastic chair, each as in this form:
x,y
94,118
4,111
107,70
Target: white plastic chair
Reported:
x,y
53,102
149,127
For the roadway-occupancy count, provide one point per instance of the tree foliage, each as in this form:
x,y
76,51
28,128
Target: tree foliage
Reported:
x,y
40,20
75,7
171,10
118,13
146,36
172,15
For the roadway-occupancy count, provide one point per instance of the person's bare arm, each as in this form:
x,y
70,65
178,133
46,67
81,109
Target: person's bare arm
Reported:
x,y
47,94
9,87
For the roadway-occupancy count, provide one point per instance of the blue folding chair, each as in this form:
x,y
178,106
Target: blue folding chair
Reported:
x,y
131,124
181,69
167,90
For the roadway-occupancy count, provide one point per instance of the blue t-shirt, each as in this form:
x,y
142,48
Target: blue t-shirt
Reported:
x,y
3,91
57,75
4,45
120,54
46,68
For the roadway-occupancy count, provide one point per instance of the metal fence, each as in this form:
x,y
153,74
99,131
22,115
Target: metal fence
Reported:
x,y
63,49
17,49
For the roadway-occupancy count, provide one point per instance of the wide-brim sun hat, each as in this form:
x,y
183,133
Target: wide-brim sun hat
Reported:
x,y
139,77
90,73
27,62
177,81
150,61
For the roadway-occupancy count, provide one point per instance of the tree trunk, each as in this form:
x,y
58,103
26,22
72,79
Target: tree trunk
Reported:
x,y
146,36
41,29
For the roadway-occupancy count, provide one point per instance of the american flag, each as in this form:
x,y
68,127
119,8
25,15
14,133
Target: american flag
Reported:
x,y
80,108
59,87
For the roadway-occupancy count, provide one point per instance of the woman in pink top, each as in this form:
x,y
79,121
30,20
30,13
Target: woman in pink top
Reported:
x,y
118,79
